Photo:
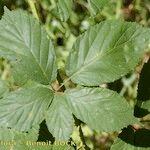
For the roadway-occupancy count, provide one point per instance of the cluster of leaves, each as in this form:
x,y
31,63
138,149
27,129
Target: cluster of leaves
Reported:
x,y
103,54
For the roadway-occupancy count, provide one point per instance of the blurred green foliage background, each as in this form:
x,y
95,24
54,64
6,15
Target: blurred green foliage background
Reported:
x,y
63,35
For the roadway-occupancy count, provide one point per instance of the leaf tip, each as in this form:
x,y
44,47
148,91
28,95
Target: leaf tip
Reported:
x,y
6,9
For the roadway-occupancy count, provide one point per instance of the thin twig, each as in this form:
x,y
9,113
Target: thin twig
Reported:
x,y
62,85
82,138
33,8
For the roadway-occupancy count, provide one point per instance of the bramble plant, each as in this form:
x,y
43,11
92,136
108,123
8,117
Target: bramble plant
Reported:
x,y
104,53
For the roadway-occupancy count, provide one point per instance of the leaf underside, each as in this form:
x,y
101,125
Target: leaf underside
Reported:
x,y
59,119
106,52
14,140
3,88
102,54
25,108
25,43
17,139
101,109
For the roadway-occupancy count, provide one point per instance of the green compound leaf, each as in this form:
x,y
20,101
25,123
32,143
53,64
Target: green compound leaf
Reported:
x,y
132,140
25,43
106,52
59,119
3,88
25,108
101,109
64,9
97,5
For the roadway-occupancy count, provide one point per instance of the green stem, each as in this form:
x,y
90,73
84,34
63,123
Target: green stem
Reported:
x,y
82,138
6,71
118,9
61,81
33,8
62,85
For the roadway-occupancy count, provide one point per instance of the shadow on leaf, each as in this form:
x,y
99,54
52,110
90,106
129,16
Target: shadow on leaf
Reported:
x,y
138,138
143,91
